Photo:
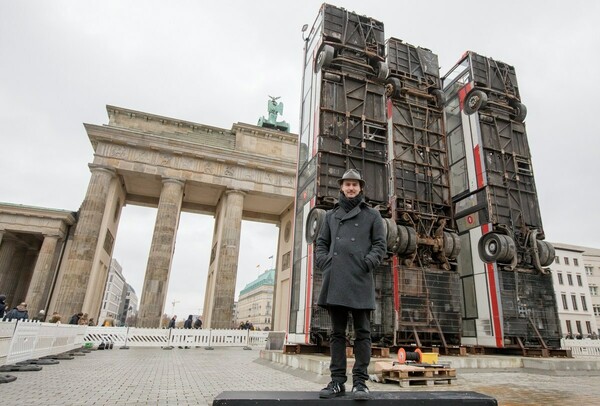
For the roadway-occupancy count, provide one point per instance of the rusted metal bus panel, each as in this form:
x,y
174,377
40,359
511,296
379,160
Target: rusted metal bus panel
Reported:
x,y
331,167
529,308
430,308
352,31
494,75
415,66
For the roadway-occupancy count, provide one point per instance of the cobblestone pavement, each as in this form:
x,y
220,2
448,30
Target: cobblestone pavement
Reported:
x,y
195,376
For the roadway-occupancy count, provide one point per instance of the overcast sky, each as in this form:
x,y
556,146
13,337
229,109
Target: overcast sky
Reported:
x,y
215,63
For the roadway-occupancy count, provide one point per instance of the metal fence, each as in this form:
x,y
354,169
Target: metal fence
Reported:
x,y
152,337
585,347
25,340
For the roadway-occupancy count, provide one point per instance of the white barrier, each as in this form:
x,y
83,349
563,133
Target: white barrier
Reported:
x,y
25,340
585,347
7,329
31,340
154,337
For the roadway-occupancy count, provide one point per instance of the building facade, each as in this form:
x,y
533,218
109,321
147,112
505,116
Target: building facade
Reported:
x,y
574,291
255,303
129,306
113,293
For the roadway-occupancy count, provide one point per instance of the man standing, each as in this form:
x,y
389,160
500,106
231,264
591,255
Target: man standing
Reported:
x,y
350,245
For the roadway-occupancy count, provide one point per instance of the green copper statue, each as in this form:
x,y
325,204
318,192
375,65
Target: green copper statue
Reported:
x,y
274,109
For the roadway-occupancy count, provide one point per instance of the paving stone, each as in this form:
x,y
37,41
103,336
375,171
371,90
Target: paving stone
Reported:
x,y
146,376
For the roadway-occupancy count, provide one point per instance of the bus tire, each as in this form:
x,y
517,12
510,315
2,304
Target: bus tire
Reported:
x,y
314,222
475,100
324,58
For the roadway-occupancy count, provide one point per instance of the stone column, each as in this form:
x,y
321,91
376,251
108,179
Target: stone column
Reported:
x,y
15,272
226,272
25,278
39,287
156,280
1,236
7,251
80,259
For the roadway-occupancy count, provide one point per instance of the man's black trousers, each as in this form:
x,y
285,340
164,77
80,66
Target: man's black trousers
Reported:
x,y
362,343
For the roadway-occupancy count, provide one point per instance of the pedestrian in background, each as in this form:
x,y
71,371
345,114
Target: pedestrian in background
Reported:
x,y
172,322
83,321
109,321
55,318
2,305
17,313
350,245
188,322
198,323
75,318
41,316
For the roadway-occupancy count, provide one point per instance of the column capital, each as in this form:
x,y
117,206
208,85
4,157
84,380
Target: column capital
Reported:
x,y
102,168
235,191
173,180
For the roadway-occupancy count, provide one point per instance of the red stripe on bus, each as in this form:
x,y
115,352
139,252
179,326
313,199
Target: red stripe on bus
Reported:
x,y
493,298
478,167
396,282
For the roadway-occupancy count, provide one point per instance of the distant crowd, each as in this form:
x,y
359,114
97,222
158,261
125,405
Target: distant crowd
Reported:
x,y
20,312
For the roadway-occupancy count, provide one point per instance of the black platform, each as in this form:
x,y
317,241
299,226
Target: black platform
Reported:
x,y
380,398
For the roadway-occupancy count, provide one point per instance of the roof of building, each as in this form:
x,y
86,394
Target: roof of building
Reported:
x,y
577,248
266,278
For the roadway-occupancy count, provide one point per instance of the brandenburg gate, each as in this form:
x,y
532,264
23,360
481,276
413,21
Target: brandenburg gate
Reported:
x,y
246,173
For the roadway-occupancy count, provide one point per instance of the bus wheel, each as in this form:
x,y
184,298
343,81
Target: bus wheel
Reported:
x,y
392,88
475,100
546,252
494,247
313,224
392,234
520,111
382,70
325,57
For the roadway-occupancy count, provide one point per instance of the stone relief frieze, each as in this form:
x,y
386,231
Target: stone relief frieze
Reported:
x,y
229,170
120,151
165,159
142,155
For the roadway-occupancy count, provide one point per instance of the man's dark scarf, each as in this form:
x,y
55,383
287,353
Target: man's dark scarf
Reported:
x,y
348,204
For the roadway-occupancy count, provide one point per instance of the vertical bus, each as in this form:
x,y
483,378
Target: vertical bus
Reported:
x,y
342,126
421,231
507,291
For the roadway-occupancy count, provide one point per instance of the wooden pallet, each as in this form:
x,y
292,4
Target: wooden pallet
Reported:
x,y
407,375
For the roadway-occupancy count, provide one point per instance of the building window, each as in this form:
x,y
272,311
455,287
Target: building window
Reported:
x,y
557,260
566,261
589,271
596,310
570,279
583,304
575,262
593,290
569,328
588,327
579,282
578,323
574,300
560,278
564,300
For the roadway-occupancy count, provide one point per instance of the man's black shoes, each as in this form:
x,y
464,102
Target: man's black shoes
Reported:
x,y
332,390
360,391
